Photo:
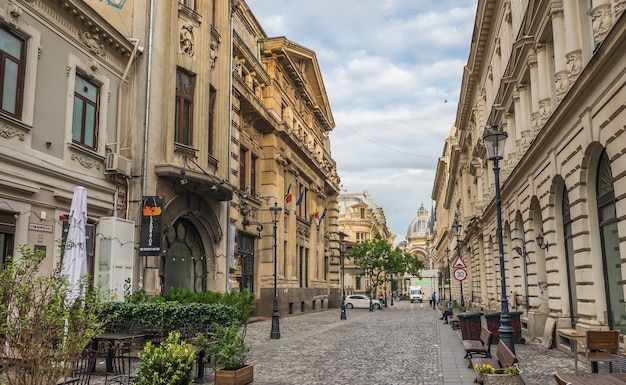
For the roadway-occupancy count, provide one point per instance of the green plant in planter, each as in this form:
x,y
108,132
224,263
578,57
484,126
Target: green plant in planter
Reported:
x,y
170,363
229,349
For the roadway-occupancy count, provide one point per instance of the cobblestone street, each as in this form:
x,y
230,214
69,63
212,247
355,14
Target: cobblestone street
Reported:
x,y
402,344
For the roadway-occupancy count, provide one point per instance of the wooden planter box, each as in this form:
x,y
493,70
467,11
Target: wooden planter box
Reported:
x,y
502,379
241,376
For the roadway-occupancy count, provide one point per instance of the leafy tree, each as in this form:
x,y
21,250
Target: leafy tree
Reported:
x,y
380,261
44,331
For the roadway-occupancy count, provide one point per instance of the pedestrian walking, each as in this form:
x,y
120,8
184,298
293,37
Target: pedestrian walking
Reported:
x,y
433,300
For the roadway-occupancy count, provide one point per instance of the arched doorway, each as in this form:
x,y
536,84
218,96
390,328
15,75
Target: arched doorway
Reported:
x,y
184,259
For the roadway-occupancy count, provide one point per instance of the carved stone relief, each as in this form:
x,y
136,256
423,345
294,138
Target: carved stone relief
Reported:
x,y
561,83
574,65
187,39
92,42
8,132
213,55
86,161
601,21
620,5
545,110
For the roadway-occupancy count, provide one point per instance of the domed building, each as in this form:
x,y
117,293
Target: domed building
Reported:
x,y
417,242
418,235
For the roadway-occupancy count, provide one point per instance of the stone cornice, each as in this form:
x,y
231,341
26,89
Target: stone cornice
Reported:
x,y
84,26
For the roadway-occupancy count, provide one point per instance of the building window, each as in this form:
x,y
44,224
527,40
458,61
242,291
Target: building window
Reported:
x,y
12,57
183,123
85,115
362,213
253,161
212,98
188,3
361,236
243,153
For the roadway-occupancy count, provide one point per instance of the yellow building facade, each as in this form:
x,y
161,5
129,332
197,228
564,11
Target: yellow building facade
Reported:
x,y
551,75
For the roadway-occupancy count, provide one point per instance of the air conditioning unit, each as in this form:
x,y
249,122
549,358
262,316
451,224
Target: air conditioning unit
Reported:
x,y
117,164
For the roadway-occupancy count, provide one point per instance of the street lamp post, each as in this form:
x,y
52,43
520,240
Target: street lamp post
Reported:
x,y
275,333
342,251
456,227
449,275
494,142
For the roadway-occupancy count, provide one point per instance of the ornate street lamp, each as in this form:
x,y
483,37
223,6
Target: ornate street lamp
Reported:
x,y
275,333
494,142
449,274
456,229
342,252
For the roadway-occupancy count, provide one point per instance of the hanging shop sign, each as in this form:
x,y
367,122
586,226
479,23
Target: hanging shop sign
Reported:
x,y
151,212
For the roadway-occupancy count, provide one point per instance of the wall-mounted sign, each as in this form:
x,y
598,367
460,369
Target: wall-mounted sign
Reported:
x,y
39,227
150,241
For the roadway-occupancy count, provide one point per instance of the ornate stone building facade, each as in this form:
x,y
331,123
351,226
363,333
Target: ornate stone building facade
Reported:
x,y
360,219
194,124
551,75
280,156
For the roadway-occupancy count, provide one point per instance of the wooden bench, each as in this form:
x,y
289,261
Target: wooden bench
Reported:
x,y
504,358
481,347
454,319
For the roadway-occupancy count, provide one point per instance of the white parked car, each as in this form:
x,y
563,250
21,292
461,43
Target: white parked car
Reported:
x,y
360,301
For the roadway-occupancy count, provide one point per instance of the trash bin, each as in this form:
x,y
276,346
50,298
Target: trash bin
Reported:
x,y
470,324
516,324
492,323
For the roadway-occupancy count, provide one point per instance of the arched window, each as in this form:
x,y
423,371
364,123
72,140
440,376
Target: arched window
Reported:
x,y
612,263
569,257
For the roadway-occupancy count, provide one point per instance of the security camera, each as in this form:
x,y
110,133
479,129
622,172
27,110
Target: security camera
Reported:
x,y
183,172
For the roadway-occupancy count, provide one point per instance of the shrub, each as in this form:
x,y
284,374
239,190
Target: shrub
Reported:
x,y
170,363
228,349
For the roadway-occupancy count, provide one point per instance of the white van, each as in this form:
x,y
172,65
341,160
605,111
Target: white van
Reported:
x,y
415,293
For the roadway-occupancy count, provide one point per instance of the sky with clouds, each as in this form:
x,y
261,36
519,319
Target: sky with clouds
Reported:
x,y
392,71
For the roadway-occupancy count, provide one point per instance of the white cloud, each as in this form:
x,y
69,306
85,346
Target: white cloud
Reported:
x,y
392,71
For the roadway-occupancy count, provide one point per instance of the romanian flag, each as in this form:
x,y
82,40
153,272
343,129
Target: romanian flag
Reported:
x,y
288,194
323,214
301,197
317,212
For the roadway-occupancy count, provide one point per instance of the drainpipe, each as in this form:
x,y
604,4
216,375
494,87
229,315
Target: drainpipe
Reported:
x,y
144,172
229,228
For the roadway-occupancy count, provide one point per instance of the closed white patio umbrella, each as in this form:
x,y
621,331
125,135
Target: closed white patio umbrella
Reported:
x,y
75,256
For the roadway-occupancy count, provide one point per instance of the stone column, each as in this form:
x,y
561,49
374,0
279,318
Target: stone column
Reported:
x,y
534,93
521,100
561,79
543,67
573,40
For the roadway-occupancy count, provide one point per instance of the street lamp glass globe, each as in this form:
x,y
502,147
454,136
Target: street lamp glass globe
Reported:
x,y
494,142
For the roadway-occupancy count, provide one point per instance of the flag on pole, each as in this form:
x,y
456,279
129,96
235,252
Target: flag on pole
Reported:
x,y
323,214
300,199
317,212
288,194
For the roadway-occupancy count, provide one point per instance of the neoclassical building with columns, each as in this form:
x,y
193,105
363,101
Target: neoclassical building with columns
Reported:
x,y
552,75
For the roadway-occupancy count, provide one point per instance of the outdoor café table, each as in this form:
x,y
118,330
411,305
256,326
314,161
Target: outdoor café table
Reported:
x,y
594,378
111,339
575,336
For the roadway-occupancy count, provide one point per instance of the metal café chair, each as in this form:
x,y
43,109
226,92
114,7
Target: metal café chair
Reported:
x,y
83,367
121,364
602,346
